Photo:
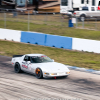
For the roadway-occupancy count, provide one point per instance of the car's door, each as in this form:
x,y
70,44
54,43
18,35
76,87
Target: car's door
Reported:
x,y
26,64
85,10
34,64
93,12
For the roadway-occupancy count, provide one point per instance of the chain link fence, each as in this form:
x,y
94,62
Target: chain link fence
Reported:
x,y
89,23
10,16
28,18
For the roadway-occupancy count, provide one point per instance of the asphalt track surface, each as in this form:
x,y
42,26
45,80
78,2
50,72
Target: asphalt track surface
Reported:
x,y
24,86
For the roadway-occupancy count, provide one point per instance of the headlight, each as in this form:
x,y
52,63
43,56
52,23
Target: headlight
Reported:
x,y
53,73
46,73
67,72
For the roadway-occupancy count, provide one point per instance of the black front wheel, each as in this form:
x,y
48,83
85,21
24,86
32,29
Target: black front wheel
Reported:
x,y
38,73
17,68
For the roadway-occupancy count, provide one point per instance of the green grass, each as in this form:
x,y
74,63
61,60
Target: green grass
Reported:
x,y
48,19
54,30
74,58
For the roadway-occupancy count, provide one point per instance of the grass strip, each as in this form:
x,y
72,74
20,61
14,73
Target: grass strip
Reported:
x,y
54,30
73,58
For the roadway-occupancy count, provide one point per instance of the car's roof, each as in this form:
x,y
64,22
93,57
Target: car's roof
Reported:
x,y
34,54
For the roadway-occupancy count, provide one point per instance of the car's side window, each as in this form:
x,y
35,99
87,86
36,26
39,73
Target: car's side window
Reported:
x,y
29,59
33,60
26,58
92,9
85,9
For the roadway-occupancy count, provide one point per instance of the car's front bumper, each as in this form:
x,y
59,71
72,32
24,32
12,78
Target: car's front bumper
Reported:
x,y
57,74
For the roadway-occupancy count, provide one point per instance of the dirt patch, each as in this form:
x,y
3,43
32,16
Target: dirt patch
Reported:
x,y
2,52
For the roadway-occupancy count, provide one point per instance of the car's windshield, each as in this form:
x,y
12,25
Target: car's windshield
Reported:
x,y
41,59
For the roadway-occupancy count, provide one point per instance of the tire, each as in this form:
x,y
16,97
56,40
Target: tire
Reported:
x,y
38,73
82,18
17,68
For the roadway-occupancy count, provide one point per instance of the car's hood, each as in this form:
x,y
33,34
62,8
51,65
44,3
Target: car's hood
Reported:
x,y
53,67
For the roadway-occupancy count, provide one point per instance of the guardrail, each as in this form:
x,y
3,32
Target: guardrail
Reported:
x,y
51,40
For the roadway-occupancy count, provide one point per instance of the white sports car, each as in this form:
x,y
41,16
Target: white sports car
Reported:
x,y
40,65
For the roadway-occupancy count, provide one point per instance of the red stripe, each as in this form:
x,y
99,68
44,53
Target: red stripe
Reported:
x,y
25,66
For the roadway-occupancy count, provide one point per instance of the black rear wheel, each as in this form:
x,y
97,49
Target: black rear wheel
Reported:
x,y
38,73
17,68
82,18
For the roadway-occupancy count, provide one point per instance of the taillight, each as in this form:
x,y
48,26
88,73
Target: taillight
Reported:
x,y
74,13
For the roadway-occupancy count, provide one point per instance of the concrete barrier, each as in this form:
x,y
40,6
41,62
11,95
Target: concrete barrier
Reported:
x,y
33,38
59,41
51,40
86,45
11,35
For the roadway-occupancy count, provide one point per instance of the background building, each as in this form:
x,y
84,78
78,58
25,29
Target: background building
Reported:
x,y
48,5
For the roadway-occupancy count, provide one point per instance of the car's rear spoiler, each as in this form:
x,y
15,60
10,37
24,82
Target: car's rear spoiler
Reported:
x,y
17,56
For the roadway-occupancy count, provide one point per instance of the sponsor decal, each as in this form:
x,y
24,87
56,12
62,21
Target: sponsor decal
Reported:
x,y
24,66
29,67
99,5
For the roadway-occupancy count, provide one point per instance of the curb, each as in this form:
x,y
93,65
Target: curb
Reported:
x,y
84,70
